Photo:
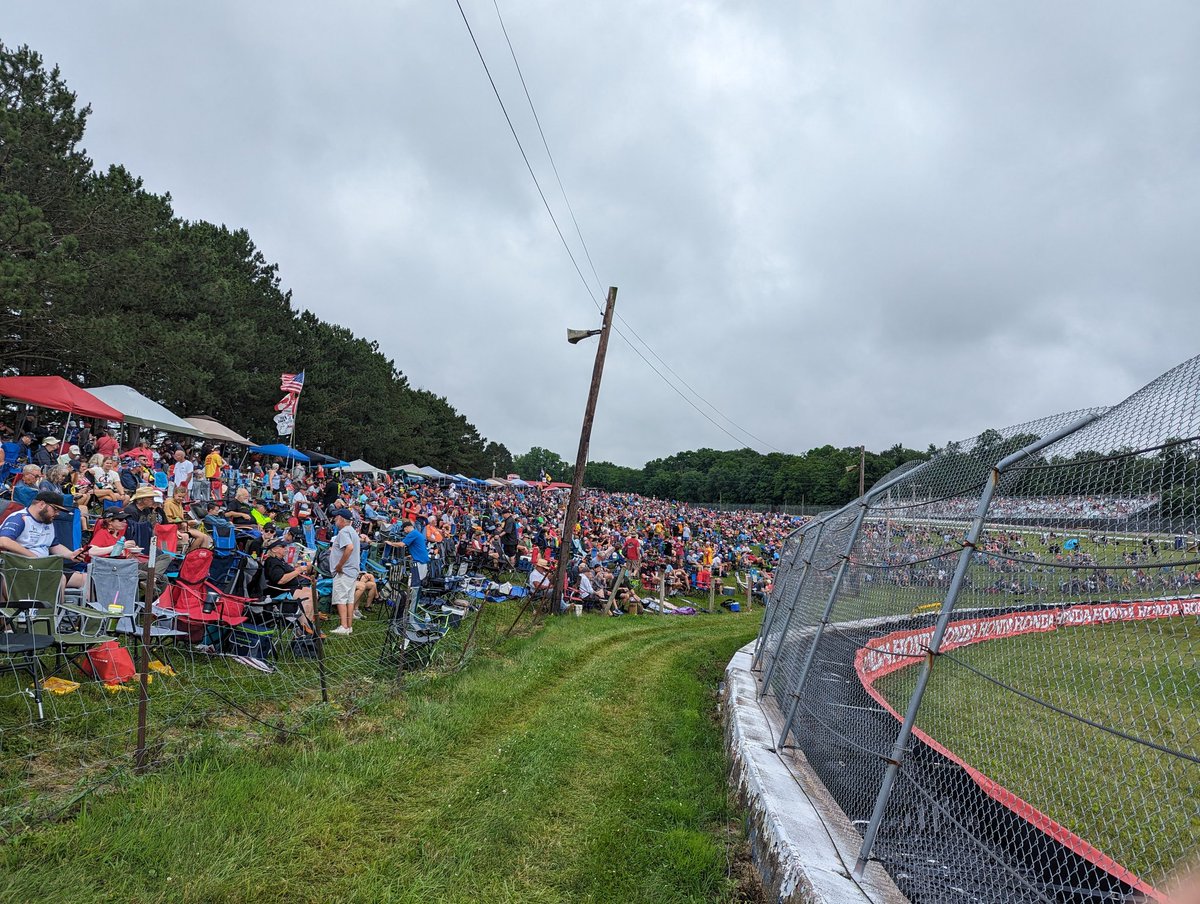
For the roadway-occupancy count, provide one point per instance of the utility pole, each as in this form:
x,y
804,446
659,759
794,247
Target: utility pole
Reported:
x,y
585,438
862,470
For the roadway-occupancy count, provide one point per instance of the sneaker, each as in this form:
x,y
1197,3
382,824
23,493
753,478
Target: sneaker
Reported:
x,y
342,630
358,614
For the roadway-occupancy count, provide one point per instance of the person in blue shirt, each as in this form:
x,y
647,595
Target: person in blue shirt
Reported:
x,y
415,541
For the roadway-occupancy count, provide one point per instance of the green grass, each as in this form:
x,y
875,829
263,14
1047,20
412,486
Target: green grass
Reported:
x,y
1134,803
582,763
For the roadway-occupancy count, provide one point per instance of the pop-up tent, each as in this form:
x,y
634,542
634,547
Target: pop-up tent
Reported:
x,y
59,395
279,450
410,469
143,411
320,458
358,466
434,473
214,429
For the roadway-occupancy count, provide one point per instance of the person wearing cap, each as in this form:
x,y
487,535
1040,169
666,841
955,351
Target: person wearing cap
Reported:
x,y
418,551
30,532
344,554
72,458
283,578
108,533
46,456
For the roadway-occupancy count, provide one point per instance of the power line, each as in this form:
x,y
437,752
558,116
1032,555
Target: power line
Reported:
x,y
545,203
587,253
521,148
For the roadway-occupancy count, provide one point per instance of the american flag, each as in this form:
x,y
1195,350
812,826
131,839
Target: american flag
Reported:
x,y
292,382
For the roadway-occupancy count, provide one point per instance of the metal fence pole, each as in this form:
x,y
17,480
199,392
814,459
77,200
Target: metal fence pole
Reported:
x,y
772,614
781,575
787,622
833,592
865,504
960,572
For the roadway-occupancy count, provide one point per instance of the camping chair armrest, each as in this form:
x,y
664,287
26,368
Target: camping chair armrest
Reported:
x,y
84,612
32,617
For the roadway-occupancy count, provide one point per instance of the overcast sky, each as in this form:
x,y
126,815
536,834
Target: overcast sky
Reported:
x,y
840,223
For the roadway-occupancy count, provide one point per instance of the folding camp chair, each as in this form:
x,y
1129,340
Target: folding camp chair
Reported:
x,y
37,584
226,555
194,603
112,588
28,585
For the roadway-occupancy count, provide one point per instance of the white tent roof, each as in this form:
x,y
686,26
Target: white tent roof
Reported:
x,y
410,469
431,471
143,411
496,482
214,429
358,466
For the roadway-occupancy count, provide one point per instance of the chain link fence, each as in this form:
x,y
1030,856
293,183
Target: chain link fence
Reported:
x,y
212,683
991,659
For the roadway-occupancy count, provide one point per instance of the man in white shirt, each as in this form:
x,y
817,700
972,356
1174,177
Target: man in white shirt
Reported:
x,y
181,475
344,554
30,532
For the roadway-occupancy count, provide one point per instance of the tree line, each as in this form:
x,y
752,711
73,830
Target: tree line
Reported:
x,y
101,282
823,476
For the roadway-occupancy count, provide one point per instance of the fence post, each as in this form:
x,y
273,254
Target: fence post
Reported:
x,y
139,756
812,650
749,590
864,503
662,592
781,580
712,590
960,572
787,622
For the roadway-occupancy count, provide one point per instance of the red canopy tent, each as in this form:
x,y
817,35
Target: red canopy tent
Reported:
x,y
58,394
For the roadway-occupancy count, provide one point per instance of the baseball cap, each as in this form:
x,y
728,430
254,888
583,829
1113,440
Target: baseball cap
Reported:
x,y
341,512
74,450
275,544
52,498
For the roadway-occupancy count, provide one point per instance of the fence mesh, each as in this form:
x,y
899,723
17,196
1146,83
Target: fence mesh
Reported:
x,y
203,691
1055,753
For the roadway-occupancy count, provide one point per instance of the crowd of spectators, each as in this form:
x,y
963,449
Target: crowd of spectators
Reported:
x,y
623,547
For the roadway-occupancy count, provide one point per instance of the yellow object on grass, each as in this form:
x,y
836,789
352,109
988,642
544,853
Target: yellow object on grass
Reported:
x,y
162,668
60,686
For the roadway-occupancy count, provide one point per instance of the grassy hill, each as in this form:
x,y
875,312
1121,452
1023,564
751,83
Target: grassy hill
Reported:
x,y
582,763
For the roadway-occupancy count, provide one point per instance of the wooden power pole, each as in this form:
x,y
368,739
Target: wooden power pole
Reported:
x,y
585,438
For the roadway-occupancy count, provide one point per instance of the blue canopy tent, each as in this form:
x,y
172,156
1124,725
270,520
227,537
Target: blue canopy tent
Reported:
x,y
279,450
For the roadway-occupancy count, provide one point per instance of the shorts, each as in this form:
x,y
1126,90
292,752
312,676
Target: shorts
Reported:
x,y
343,589
418,574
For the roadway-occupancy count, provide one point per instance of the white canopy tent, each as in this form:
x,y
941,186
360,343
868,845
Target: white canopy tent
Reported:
x,y
431,471
143,411
358,466
410,469
496,482
214,429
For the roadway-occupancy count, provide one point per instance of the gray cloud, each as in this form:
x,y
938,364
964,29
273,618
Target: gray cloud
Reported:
x,y
841,223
